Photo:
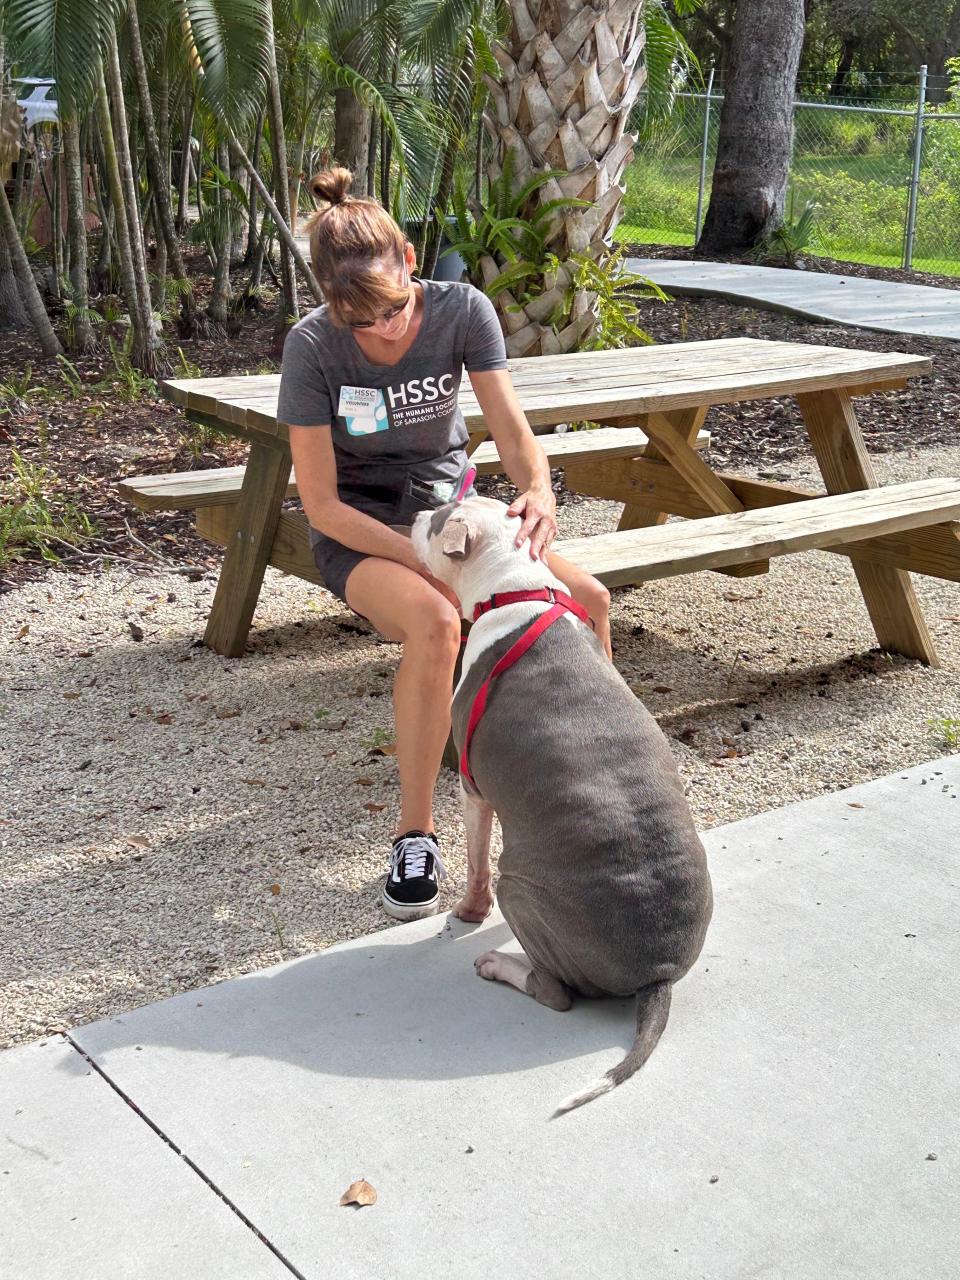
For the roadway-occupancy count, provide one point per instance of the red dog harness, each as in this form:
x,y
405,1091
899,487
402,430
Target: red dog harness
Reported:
x,y
562,603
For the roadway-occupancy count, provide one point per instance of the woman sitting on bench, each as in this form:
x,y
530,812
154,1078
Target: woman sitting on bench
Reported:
x,y
368,390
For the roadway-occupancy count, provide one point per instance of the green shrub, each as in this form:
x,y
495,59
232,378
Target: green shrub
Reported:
x,y
34,518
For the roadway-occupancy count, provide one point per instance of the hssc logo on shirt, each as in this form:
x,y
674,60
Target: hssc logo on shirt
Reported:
x,y
365,411
421,390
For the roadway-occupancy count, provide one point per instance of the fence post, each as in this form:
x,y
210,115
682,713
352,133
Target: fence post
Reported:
x,y
703,154
915,173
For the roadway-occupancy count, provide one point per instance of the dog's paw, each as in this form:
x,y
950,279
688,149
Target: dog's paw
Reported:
x,y
489,965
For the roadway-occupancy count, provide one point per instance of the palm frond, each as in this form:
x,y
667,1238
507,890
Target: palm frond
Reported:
x,y
230,38
436,27
61,41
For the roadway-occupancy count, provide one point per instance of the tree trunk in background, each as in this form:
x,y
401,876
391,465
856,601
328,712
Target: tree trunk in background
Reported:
x,y
850,46
183,180
218,307
140,314
254,242
148,345
13,314
56,227
288,312
283,231
82,330
351,142
159,181
756,127
570,74
29,293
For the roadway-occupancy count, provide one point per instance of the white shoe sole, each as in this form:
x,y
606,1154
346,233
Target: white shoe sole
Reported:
x,y
410,910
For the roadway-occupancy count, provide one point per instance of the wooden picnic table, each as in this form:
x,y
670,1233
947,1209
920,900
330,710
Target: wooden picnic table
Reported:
x,y
666,391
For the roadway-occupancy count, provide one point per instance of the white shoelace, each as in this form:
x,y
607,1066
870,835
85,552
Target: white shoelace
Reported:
x,y
413,851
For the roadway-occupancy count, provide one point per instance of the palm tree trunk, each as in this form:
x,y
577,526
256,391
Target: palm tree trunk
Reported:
x,y
183,181
82,331
163,214
434,237
570,75
27,286
351,143
252,238
13,314
219,306
286,239
23,160
56,226
140,315
289,308
148,345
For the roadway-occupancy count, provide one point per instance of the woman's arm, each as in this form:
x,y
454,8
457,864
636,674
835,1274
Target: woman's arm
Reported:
x,y
316,470
523,459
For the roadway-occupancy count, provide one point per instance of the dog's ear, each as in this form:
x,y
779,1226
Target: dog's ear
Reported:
x,y
456,540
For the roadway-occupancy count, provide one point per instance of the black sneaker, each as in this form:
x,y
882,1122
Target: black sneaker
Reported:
x,y
412,887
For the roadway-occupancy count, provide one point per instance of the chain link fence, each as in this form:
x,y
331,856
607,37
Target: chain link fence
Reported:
x,y
884,176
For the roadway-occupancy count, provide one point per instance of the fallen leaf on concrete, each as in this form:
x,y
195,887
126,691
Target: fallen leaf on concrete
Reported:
x,y
374,808
364,782
71,696
359,1192
24,631
734,598
852,804
663,688
274,889
136,631
254,782
142,841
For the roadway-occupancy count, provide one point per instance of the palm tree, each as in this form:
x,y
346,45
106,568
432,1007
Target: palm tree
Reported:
x,y
570,75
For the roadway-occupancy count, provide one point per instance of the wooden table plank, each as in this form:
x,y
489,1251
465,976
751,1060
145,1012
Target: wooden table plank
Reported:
x,y
686,547
609,385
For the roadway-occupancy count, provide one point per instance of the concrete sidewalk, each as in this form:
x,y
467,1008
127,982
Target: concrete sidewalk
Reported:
x,y
816,295
785,1127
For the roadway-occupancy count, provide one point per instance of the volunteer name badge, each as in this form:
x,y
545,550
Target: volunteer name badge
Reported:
x,y
364,410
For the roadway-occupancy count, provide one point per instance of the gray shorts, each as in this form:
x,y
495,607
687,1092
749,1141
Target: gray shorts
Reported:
x,y
335,562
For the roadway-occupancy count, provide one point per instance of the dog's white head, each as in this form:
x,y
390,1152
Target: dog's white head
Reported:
x,y
470,546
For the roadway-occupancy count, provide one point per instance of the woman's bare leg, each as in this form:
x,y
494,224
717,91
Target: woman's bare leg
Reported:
x,y
589,592
404,607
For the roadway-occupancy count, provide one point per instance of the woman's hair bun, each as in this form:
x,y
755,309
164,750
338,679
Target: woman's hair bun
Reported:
x,y
331,185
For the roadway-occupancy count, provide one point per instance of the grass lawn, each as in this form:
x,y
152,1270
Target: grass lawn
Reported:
x,y
862,203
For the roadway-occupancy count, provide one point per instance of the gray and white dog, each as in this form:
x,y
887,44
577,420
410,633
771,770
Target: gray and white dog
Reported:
x,y
603,879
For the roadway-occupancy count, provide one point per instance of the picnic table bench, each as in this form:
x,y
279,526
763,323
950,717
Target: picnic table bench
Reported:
x,y
651,404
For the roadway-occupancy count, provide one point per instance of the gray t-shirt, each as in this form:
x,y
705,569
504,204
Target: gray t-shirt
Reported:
x,y
392,424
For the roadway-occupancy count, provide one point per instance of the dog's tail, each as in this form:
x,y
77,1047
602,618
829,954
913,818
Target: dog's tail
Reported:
x,y
653,1009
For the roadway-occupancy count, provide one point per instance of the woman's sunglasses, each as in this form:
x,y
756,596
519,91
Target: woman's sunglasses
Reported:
x,y
390,314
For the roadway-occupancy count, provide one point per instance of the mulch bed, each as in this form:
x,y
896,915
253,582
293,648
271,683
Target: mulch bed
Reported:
x,y
90,440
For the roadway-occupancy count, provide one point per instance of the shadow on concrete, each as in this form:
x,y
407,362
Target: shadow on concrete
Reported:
x,y
381,1007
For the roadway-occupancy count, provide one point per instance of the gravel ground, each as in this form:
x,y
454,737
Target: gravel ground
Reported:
x,y
171,818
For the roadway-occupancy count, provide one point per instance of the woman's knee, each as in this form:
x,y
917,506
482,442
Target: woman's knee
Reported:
x,y
436,630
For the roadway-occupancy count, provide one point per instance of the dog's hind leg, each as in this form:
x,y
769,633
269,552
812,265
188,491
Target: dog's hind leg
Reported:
x,y
517,971
548,990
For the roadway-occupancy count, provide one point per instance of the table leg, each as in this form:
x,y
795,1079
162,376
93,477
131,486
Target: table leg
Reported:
x,y
261,498
845,465
687,424
672,436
